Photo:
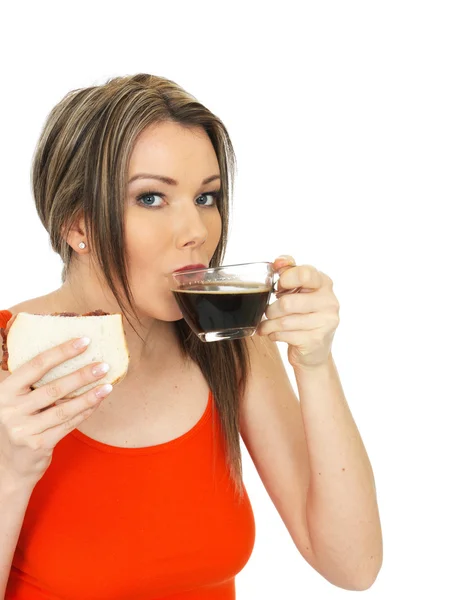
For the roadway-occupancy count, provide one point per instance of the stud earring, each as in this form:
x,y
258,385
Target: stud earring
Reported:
x,y
81,245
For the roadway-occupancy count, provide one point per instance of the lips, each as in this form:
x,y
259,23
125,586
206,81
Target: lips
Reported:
x,y
190,268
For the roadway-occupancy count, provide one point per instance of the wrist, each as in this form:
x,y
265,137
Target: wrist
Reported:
x,y
14,485
313,370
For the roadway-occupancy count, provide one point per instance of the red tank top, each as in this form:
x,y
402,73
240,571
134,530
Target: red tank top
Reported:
x,y
109,523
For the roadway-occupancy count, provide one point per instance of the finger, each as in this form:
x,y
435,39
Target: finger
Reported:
x,y
297,304
291,323
304,276
50,437
66,412
295,338
283,262
20,381
48,394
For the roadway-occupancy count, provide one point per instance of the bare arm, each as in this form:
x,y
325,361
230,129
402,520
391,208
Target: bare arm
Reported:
x,y
342,513
13,504
31,424
14,498
314,466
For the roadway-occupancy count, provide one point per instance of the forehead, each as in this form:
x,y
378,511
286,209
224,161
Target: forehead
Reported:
x,y
173,150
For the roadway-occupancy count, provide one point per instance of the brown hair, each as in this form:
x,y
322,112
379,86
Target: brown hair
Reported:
x,y
80,168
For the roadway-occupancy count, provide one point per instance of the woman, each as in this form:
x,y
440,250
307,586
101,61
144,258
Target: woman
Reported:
x,y
139,494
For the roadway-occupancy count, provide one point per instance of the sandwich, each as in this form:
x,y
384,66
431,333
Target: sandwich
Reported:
x,y
27,335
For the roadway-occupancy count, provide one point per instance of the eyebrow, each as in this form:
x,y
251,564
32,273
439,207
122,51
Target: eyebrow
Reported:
x,y
168,180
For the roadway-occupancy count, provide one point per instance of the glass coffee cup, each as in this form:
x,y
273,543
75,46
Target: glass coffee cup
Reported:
x,y
227,302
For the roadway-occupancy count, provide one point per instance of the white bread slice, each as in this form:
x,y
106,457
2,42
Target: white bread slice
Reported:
x,y
30,335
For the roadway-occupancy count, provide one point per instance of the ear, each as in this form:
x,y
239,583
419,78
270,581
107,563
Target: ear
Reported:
x,y
76,234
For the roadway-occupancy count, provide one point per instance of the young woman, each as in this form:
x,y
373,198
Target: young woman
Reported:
x,y
138,493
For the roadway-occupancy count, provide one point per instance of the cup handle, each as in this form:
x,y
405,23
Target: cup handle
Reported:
x,y
278,293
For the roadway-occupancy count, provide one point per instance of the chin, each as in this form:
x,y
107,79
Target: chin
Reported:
x,y
164,309
169,315
179,317
161,313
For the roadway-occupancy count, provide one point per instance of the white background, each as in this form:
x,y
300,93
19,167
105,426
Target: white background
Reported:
x,y
339,116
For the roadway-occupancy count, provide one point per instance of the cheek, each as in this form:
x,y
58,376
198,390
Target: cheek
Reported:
x,y
215,230
143,244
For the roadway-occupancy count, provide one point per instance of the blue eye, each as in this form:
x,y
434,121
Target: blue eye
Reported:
x,y
150,196
149,199
212,195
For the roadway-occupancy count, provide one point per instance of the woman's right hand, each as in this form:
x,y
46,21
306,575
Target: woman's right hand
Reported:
x,y
32,422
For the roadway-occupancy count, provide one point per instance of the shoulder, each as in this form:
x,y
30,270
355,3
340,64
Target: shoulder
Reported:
x,y
268,381
266,360
34,305
37,305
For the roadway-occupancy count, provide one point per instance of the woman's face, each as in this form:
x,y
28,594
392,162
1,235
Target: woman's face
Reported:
x,y
171,216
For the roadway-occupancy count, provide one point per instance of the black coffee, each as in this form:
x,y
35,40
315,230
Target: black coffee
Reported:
x,y
224,306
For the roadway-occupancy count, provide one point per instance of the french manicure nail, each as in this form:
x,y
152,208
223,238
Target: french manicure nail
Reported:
x,y
81,343
104,390
101,369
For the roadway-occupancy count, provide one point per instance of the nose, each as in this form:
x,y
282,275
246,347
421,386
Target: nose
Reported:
x,y
192,229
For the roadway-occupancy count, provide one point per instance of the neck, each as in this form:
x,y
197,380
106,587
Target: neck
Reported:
x,y
157,341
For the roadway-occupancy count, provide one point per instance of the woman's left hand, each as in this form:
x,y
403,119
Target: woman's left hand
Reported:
x,y
305,319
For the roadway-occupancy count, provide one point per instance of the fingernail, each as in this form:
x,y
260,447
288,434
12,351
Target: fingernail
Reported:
x,y
285,257
81,343
104,390
101,369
